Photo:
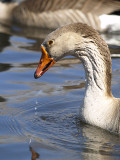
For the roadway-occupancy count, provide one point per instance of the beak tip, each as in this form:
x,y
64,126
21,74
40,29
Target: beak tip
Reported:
x,y
35,75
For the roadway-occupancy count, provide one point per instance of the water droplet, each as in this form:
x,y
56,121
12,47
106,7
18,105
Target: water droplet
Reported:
x,y
30,141
36,102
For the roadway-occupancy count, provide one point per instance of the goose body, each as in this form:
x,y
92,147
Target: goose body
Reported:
x,y
53,14
99,107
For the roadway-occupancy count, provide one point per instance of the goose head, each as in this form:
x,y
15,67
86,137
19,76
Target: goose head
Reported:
x,y
58,44
83,42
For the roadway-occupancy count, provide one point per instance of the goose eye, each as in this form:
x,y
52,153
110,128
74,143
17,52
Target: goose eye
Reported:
x,y
50,42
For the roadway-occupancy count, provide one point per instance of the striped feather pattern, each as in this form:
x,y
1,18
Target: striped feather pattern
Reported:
x,y
55,13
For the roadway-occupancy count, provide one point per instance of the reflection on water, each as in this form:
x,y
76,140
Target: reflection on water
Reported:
x,y
2,99
35,155
100,144
4,67
39,119
4,41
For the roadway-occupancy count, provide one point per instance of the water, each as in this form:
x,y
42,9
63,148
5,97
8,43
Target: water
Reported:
x,y
39,119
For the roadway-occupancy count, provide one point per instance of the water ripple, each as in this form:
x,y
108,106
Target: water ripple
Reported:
x,y
53,119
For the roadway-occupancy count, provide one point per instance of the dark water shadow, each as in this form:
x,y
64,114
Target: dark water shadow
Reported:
x,y
4,41
2,99
5,67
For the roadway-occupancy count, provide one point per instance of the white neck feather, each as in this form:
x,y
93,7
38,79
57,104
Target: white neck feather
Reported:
x,y
99,108
95,69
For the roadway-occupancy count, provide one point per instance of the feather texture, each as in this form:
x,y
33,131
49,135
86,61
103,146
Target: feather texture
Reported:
x,y
55,13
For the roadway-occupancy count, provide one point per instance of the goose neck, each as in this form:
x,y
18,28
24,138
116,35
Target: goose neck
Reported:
x,y
98,71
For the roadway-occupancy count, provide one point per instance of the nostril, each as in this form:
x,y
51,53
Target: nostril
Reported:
x,y
47,65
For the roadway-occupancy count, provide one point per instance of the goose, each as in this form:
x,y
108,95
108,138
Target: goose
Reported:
x,y
99,107
53,14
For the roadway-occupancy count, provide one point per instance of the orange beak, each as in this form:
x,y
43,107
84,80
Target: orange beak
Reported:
x,y
45,63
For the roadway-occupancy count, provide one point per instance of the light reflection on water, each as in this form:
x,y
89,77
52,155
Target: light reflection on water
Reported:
x,y
40,118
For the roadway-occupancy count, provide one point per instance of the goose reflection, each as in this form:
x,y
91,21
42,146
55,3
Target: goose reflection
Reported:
x,y
35,155
91,143
99,143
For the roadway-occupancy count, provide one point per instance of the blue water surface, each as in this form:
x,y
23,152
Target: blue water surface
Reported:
x,y
39,119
